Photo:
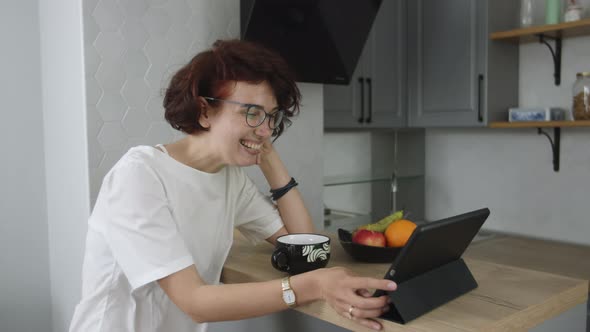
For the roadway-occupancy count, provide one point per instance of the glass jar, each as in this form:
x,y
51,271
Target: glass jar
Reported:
x,y
574,11
581,92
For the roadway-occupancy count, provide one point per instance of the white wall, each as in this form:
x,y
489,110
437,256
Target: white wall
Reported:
x,y
24,263
65,151
511,171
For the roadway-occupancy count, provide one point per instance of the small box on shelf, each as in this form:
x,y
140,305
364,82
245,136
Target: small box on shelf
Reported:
x,y
527,114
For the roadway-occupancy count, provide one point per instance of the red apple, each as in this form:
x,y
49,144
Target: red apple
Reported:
x,y
369,238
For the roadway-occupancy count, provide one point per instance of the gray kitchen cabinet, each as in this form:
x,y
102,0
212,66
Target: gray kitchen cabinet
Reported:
x,y
457,76
376,95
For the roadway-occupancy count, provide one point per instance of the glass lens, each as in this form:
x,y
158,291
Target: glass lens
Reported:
x,y
277,118
255,116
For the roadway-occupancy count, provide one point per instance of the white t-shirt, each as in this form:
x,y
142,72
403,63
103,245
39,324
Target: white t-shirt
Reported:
x,y
155,216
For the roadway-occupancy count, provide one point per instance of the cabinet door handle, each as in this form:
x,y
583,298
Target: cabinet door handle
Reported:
x,y
361,83
370,94
479,98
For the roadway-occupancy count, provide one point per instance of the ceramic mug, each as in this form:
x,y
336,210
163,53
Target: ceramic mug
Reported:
x,y
298,253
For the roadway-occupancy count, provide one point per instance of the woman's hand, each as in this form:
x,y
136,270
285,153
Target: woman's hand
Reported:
x,y
266,150
349,295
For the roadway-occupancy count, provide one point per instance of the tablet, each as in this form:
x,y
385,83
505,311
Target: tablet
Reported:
x,y
435,244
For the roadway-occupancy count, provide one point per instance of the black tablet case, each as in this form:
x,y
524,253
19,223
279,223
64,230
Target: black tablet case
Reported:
x,y
429,270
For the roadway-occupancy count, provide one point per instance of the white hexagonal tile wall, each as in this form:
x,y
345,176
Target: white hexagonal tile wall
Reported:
x,y
93,91
155,108
179,12
198,25
134,34
156,50
133,142
233,28
136,123
136,64
111,135
111,75
199,7
91,61
177,60
95,152
88,7
128,42
156,21
157,2
136,93
156,77
110,45
178,39
159,132
133,8
111,106
93,121
91,31
108,15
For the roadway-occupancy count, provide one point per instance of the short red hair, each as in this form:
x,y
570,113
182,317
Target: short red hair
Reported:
x,y
210,72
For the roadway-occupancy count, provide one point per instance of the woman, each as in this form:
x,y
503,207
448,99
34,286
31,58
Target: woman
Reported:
x,y
163,222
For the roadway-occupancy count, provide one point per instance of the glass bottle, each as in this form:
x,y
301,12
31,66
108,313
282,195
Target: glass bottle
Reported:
x,y
552,11
526,13
581,94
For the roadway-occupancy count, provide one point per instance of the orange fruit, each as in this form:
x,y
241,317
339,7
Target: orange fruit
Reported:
x,y
398,232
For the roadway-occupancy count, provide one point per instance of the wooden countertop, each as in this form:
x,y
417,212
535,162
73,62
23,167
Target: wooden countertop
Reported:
x,y
571,260
508,298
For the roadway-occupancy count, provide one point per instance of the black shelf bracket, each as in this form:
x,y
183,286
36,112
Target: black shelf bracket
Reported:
x,y
555,143
555,53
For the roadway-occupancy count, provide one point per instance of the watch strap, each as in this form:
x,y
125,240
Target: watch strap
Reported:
x,y
286,286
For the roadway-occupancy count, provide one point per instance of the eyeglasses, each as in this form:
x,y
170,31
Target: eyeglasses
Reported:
x,y
256,115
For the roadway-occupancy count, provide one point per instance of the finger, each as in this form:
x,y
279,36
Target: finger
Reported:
x,y
373,283
366,313
369,302
370,323
364,292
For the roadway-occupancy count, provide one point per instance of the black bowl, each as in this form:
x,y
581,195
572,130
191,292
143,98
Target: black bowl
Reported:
x,y
365,253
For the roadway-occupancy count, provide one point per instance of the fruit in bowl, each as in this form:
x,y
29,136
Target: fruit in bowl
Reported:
x,y
378,242
398,232
369,238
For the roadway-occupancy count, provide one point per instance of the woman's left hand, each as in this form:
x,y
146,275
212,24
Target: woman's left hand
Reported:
x,y
265,151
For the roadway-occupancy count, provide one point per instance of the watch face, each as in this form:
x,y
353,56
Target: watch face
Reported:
x,y
289,297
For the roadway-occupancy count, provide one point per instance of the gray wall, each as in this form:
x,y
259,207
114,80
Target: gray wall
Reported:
x,y
24,265
511,171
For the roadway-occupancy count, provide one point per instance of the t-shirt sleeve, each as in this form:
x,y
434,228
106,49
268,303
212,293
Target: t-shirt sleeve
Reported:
x,y
257,217
139,226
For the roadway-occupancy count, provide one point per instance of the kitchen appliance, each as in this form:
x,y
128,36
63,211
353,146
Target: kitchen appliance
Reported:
x,y
322,40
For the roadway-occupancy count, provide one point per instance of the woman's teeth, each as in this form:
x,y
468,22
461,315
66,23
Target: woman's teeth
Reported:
x,y
251,145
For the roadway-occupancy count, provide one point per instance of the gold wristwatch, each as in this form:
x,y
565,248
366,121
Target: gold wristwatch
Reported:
x,y
288,294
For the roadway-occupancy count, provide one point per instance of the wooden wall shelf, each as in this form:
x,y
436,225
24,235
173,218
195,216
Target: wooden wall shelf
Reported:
x,y
540,124
542,33
530,34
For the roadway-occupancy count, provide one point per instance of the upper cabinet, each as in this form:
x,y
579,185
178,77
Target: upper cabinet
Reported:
x,y
456,75
376,95
430,63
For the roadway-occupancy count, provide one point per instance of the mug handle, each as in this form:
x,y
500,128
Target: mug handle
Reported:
x,y
280,259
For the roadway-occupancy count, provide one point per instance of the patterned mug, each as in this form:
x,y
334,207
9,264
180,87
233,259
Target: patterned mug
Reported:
x,y
298,253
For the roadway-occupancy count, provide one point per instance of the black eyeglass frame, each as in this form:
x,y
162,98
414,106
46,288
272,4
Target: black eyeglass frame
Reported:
x,y
272,116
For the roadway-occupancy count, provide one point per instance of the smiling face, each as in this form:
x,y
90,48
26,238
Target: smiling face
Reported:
x,y
232,139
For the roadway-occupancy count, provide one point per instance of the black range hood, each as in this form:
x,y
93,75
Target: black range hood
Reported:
x,y
322,40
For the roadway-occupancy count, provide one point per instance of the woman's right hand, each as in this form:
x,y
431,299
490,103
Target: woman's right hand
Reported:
x,y
349,295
